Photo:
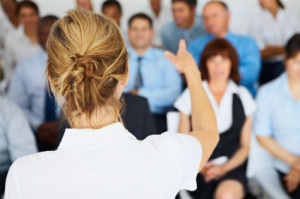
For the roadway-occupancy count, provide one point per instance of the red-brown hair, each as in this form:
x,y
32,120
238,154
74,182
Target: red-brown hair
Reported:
x,y
224,48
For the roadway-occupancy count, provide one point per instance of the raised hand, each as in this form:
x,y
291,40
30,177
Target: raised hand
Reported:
x,y
183,60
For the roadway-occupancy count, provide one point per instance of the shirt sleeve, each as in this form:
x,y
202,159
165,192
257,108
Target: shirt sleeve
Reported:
x,y
171,88
256,33
262,120
183,103
250,63
183,154
20,138
247,100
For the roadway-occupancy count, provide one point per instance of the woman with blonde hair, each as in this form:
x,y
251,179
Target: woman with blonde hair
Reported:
x,y
98,158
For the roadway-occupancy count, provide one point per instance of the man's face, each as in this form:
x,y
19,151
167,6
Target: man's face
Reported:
x,y
140,33
113,12
84,4
43,33
183,14
28,17
215,18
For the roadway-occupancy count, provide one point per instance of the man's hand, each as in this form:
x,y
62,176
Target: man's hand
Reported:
x,y
292,180
134,92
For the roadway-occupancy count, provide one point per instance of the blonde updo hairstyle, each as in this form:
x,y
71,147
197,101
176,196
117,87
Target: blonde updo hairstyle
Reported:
x,y
86,60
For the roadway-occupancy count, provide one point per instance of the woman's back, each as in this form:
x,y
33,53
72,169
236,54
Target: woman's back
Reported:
x,y
108,163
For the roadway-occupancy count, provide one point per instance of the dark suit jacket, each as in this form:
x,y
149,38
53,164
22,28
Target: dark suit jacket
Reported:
x,y
137,118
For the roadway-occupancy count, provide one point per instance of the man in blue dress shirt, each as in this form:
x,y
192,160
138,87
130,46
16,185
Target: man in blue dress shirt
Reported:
x,y
216,17
276,122
28,89
151,75
186,25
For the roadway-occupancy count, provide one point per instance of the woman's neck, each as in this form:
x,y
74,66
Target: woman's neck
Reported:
x,y
100,118
274,10
218,88
294,86
32,35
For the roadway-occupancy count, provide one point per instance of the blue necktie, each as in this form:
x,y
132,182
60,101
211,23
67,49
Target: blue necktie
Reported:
x,y
139,80
50,106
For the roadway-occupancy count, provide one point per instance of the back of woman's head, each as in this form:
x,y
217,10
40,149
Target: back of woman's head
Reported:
x,y
86,60
221,47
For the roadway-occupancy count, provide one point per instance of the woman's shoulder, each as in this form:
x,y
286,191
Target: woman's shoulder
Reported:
x,y
31,163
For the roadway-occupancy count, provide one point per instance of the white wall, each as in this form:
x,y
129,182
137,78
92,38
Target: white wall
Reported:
x,y
242,10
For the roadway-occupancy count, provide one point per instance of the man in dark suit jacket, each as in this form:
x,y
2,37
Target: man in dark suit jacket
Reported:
x,y
137,118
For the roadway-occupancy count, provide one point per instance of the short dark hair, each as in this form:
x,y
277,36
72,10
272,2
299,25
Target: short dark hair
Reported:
x,y
292,47
108,3
280,4
140,16
48,19
222,3
190,3
222,47
28,4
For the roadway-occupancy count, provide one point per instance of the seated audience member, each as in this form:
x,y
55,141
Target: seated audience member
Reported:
x,y
137,118
16,138
272,28
84,5
22,42
233,106
161,15
151,75
98,157
28,89
8,20
216,18
186,25
277,119
113,10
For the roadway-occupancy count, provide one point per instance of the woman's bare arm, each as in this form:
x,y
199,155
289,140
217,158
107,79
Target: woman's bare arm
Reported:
x,y
184,123
204,122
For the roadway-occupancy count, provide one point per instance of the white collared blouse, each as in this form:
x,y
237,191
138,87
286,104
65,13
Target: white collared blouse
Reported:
x,y
269,30
223,111
108,163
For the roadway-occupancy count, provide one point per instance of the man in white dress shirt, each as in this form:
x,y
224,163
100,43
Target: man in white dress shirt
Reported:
x,y
161,15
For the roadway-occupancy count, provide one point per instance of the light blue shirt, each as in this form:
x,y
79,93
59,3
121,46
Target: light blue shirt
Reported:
x,y
28,86
248,53
161,81
171,34
16,137
278,116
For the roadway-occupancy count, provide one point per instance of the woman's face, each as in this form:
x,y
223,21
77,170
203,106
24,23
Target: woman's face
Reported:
x,y
218,68
267,4
29,18
292,66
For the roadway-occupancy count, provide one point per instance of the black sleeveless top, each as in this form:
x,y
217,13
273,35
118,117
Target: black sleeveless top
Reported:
x,y
230,140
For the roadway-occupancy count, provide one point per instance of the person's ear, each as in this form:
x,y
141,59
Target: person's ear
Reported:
x,y
125,81
228,15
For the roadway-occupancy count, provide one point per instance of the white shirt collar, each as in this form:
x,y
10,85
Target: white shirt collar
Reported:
x,y
90,139
232,87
